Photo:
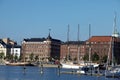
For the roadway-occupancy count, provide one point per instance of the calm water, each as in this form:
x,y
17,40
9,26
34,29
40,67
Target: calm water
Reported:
x,y
33,73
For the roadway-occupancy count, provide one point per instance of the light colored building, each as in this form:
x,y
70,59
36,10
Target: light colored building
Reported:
x,y
8,41
16,51
3,47
8,46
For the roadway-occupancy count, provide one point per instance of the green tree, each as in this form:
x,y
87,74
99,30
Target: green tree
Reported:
x,y
104,59
86,57
36,58
95,57
50,59
1,55
31,57
75,58
9,57
16,57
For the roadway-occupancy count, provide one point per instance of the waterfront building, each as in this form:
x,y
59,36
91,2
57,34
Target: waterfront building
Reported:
x,y
8,41
16,51
71,48
101,45
3,47
8,46
41,49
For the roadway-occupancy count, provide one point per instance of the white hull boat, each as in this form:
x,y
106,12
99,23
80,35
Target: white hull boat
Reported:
x,y
70,65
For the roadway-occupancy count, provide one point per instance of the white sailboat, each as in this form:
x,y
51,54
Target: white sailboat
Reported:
x,y
113,70
89,65
69,64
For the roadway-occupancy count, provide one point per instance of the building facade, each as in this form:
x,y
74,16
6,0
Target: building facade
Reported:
x,y
9,47
3,47
16,51
103,46
72,49
41,48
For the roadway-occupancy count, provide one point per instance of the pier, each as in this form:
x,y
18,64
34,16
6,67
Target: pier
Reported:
x,y
73,72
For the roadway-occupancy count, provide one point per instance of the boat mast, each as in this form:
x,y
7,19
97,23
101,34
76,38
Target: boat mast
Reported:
x,y
114,35
68,55
89,43
78,45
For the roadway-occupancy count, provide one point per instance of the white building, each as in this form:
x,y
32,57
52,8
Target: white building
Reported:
x,y
16,51
8,46
3,47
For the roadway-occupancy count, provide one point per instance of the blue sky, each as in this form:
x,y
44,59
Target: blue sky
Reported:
x,y
21,19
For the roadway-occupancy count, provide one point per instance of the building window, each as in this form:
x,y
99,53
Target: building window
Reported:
x,y
16,50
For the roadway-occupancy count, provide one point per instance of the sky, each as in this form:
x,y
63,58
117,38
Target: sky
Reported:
x,y
21,19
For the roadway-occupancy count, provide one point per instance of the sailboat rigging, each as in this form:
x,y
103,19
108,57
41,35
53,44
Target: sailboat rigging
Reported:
x,y
113,70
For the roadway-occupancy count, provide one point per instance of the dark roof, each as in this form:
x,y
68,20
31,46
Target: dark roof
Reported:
x,y
73,42
17,46
9,45
35,40
56,40
1,42
41,39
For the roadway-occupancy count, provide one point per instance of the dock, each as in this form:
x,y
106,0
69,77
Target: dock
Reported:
x,y
73,72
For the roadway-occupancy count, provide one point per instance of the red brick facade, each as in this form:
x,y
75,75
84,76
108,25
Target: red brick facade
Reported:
x,y
102,45
41,47
72,49
98,44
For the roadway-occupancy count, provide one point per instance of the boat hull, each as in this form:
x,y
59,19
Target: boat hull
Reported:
x,y
70,66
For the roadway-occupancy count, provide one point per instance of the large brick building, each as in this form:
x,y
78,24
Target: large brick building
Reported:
x,y
43,48
102,45
74,49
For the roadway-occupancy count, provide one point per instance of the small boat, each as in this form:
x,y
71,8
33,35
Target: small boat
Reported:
x,y
20,64
114,72
70,66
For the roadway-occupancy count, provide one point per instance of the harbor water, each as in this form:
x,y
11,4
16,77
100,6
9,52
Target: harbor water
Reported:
x,y
36,73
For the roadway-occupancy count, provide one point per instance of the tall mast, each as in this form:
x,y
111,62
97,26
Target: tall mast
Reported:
x,y
114,24
49,32
68,55
78,44
68,33
114,35
89,43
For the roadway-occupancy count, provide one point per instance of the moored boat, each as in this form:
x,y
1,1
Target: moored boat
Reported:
x,y
20,64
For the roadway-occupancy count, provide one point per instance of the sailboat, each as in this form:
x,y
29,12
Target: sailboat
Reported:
x,y
89,65
69,64
113,70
